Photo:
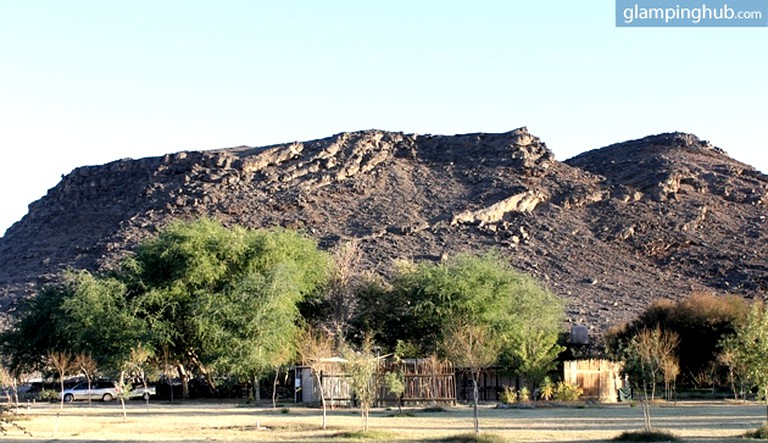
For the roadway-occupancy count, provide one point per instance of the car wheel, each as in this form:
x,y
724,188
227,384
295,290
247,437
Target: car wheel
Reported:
x,y
146,396
68,398
107,397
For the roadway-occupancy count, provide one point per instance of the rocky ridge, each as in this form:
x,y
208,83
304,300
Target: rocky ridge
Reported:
x,y
610,229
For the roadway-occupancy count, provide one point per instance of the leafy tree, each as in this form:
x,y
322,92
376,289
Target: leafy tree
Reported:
x,y
394,383
750,347
481,290
248,330
34,332
362,370
133,366
737,373
224,297
473,347
202,295
97,318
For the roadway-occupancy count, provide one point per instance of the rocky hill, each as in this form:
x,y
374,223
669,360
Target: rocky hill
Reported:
x,y
610,230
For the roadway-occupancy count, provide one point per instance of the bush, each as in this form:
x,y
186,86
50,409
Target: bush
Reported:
x,y
546,389
48,395
508,395
565,391
760,433
524,395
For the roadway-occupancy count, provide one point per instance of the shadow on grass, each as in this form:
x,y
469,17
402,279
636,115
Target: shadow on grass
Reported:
x,y
483,437
647,435
370,434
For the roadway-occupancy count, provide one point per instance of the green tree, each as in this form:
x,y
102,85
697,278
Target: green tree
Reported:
x,y
481,290
395,384
99,319
362,370
203,295
750,347
223,297
35,332
250,329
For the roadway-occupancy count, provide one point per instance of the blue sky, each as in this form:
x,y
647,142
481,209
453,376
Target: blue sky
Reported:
x,y
88,82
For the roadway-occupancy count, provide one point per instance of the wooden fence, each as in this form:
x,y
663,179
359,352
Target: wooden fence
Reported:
x,y
427,381
600,379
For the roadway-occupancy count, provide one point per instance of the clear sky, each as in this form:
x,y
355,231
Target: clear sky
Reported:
x,y
88,82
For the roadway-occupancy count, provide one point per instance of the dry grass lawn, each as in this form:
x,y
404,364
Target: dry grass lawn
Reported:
x,y
237,422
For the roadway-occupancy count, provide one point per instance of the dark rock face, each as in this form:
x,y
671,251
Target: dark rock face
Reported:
x,y
610,229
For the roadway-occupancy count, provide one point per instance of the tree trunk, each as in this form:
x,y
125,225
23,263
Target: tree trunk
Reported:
x,y
61,382
184,382
322,397
208,378
274,388
88,379
476,396
121,394
646,408
256,389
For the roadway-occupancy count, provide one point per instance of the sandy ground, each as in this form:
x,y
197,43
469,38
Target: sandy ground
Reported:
x,y
237,422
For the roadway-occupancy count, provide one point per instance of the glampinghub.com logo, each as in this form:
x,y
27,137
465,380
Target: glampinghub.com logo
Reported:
x,y
692,13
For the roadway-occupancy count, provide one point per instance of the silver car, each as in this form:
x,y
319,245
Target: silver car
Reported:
x,y
100,390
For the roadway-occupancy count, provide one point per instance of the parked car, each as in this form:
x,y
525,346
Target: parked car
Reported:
x,y
100,390
139,391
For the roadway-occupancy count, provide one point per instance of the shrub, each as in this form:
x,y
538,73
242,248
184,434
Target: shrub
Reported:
x,y
508,395
546,389
48,395
760,433
565,391
524,395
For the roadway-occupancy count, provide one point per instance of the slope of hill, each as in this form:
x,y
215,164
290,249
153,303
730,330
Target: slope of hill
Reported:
x,y
610,229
